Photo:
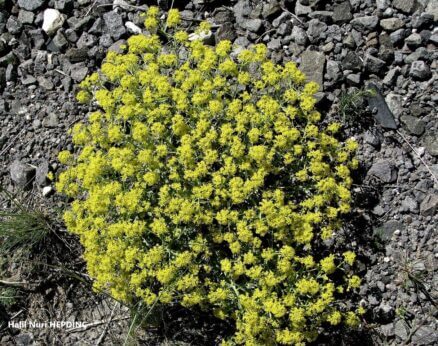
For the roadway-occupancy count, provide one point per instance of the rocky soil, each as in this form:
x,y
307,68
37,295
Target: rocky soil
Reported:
x,y
48,46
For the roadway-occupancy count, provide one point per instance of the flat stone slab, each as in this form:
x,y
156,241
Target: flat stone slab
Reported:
x,y
312,65
380,109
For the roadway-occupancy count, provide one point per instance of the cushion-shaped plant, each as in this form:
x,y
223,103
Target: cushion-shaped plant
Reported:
x,y
206,179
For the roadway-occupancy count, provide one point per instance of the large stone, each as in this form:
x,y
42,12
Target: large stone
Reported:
x,y
31,5
253,25
114,24
414,125
432,9
53,20
425,335
420,70
407,6
381,111
342,12
312,65
401,329
391,24
316,28
373,64
299,36
429,205
384,171
395,103
22,174
26,17
365,23
78,71
42,171
352,62
226,32
431,143
414,40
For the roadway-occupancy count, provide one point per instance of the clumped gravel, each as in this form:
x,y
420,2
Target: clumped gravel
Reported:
x,y
47,46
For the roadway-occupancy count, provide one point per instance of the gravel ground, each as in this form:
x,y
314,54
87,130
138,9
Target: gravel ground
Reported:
x,y
46,47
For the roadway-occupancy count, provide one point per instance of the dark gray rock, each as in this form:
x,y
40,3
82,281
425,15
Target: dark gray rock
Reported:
x,y
381,111
397,36
30,5
316,28
22,174
58,43
406,6
323,16
351,62
391,76
342,13
226,32
384,171
41,173
391,24
420,70
374,65
372,139
312,64
76,54
386,313
222,16
282,18
414,125
365,23
86,40
429,205
253,25
114,23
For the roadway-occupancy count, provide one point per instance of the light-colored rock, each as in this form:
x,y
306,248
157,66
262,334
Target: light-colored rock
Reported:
x,y
52,21
132,28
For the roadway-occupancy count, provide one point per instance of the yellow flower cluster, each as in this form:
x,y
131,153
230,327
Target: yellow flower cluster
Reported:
x,y
208,181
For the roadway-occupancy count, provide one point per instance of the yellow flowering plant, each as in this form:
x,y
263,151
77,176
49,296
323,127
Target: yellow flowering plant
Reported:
x,y
207,180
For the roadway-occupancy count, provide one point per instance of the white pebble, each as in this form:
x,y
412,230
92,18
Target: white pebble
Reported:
x,y
132,28
47,190
52,21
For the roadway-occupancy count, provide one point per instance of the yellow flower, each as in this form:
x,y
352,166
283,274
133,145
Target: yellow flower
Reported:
x,y
173,18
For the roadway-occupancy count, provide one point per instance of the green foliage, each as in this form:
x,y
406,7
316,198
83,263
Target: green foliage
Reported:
x,y
208,181
8,296
351,103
